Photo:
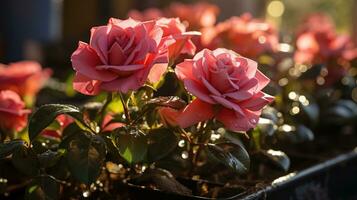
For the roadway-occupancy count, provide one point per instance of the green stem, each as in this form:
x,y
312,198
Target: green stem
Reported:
x,y
126,110
106,104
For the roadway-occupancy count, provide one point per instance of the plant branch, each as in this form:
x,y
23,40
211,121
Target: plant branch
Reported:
x,y
106,104
126,110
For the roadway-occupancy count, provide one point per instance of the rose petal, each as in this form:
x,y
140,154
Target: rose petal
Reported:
x,y
116,55
84,61
157,72
198,90
235,122
257,102
196,111
85,85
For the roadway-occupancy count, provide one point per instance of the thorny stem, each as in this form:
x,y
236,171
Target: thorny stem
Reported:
x,y
106,104
202,130
126,110
139,117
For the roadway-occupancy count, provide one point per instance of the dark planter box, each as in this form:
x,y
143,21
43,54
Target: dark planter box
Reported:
x,y
332,179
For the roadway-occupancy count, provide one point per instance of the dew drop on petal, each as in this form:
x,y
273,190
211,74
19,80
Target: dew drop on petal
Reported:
x,y
90,88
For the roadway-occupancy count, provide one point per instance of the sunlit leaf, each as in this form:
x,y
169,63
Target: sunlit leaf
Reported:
x,y
233,156
46,114
85,157
44,188
132,147
277,158
25,161
8,148
49,158
170,101
162,141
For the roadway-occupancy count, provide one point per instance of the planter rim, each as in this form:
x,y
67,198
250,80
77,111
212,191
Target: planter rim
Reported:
x,y
294,177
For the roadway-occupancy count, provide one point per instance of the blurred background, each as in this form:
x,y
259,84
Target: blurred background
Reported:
x,y
49,30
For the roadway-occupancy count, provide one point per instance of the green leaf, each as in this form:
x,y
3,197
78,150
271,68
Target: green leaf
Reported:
x,y
294,134
85,157
43,188
132,147
341,113
25,161
46,114
170,101
312,73
8,148
267,126
277,158
162,141
49,158
232,155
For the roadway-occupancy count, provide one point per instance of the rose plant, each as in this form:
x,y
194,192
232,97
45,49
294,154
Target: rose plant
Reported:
x,y
124,60
165,103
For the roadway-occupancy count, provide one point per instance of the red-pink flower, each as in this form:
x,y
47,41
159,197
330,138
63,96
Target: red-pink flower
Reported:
x,y
13,115
25,78
108,125
145,15
318,42
118,57
175,41
317,22
168,116
65,120
247,36
198,15
322,47
227,86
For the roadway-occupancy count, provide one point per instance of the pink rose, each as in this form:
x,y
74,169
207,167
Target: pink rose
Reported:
x,y
145,15
65,120
13,115
118,57
175,41
198,15
107,125
25,78
322,47
227,86
247,36
317,22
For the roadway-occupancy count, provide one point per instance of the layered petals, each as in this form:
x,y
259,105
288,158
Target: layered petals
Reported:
x,y
227,86
13,115
25,78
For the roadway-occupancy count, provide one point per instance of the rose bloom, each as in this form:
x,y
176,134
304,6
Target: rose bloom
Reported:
x,y
25,78
175,41
145,15
65,120
318,43
118,57
13,115
198,15
121,55
245,35
227,86
316,22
